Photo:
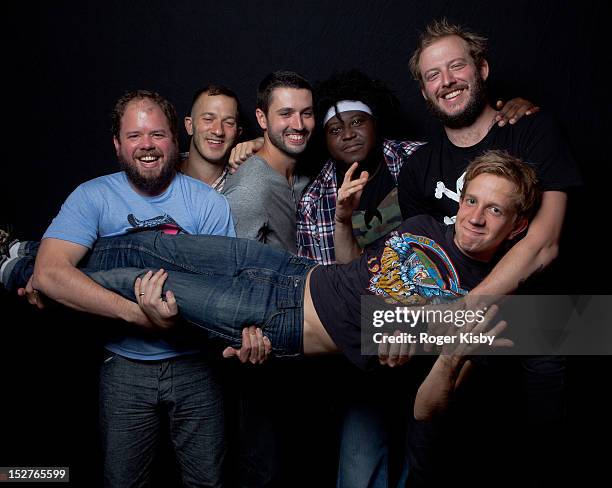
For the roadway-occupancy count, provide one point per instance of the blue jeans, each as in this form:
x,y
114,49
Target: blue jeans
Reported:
x,y
18,271
137,396
364,448
221,284
372,432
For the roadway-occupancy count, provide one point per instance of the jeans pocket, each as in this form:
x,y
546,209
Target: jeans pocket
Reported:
x,y
269,277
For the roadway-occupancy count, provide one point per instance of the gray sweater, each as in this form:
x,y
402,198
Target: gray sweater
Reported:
x,y
264,204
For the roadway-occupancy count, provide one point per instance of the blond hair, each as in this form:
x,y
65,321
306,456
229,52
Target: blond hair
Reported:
x,y
500,163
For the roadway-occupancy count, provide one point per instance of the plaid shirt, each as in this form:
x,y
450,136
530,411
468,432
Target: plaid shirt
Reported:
x,y
317,208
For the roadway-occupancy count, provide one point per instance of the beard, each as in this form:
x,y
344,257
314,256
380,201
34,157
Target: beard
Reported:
x,y
465,118
151,185
278,142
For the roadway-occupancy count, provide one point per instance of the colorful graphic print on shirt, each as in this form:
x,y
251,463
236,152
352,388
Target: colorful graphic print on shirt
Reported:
x,y
413,270
164,223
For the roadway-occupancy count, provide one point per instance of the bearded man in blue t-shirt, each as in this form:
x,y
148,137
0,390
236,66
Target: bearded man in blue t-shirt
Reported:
x,y
145,379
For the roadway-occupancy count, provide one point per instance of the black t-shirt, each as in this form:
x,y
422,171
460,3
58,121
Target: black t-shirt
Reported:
x,y
414,264
432,180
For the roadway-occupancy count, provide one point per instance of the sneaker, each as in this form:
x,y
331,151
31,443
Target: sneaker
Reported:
x,y
6,240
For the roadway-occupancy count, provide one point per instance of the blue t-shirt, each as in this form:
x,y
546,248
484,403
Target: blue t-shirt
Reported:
x,y
108,206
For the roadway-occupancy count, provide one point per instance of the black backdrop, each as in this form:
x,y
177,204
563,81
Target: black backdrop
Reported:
x,y
66,62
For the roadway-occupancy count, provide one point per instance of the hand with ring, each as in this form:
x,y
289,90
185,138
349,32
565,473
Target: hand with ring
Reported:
x,y
161,310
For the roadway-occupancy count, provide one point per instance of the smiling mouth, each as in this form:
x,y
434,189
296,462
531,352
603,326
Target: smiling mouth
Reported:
x,y
148,161
451,95
215,142
297,139
474,232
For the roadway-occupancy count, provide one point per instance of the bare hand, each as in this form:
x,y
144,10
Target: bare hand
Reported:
x,y
349,194
243,151
255,347
395,354
34,297
513,110
148,290
458,349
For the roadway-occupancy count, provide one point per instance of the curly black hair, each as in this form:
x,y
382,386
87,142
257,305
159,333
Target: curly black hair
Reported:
x,y
356,85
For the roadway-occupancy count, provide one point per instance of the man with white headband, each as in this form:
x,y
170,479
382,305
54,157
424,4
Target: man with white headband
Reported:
x,y
354,111
352,106
346,106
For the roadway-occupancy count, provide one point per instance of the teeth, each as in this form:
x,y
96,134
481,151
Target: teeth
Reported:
x,y
295,137
213,141
452,94
148,159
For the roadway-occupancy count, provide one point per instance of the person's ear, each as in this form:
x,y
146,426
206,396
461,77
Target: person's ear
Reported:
x,y
262,120
116,144
484,69
189,125
519,226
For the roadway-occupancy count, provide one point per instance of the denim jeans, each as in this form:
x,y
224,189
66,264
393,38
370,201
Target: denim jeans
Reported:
x,y
372,450
18,271
137,396
221,284
364,448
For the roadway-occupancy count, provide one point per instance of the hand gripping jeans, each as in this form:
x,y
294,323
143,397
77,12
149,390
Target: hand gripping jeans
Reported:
x,y
221,284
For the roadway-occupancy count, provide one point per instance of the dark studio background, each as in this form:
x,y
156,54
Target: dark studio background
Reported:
x,y
65,63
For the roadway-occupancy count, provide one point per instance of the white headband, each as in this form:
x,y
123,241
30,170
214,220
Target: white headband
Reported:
x,y
345,106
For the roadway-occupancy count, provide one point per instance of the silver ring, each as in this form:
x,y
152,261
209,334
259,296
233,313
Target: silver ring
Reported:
x,y
141,294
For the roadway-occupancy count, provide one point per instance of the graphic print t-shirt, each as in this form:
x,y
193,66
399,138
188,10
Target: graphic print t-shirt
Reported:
x,y
108,206
414,265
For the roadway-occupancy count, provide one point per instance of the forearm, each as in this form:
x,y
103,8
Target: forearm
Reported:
x,y
525,259
345,244
435,392
69,286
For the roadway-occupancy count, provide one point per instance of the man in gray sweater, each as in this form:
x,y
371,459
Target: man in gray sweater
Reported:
x,y
263,194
